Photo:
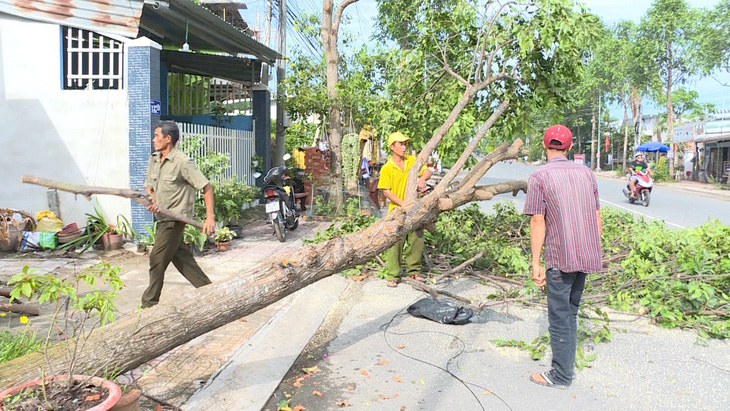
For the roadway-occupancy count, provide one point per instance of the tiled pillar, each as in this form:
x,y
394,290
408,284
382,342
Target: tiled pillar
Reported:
x,y
262,122
143,86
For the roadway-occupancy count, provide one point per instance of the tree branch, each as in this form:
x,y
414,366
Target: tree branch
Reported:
x,y
459,267
500,153
433,292
338,15
449,177
480,193
87,191
469,93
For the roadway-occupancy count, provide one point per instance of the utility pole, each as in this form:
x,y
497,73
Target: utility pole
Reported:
x,y
280,148
598,137
267,42
592,158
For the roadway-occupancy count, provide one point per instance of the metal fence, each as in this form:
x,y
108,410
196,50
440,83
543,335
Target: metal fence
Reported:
x,y
190,94
238,144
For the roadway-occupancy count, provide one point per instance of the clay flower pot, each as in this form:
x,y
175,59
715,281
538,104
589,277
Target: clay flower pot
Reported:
x,y
223,246
129,401
113,397
112,241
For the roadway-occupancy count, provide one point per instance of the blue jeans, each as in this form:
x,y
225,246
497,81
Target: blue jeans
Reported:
x,y
564,291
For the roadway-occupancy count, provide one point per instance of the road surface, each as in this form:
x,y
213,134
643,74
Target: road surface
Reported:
x,y
678,208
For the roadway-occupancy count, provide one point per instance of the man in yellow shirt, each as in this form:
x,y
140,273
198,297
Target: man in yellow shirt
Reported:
x,y
393,180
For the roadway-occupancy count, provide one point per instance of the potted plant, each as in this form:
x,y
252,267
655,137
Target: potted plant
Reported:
x,y
145,242
223,238
194,238
76,315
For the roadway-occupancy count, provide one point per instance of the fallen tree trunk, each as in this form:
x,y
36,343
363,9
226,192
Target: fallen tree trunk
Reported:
x,y
129,343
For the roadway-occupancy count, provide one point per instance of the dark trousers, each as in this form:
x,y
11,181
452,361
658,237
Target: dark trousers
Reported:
x,y
564,291
169,247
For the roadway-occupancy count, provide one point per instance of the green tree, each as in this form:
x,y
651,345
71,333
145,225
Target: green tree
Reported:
x,y
627,75
714,39
669,32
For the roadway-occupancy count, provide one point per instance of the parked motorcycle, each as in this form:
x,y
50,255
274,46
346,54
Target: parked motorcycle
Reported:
x,y
278,191
643,187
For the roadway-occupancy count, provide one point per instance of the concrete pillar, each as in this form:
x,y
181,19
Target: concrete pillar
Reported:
x,y
262,126
143,86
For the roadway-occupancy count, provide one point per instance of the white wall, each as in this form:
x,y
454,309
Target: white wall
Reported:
x,y
73,136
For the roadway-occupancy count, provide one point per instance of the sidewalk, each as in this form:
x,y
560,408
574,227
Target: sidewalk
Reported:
x,y
176,375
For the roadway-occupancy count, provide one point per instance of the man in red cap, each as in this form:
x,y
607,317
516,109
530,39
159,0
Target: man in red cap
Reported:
x,y
562,198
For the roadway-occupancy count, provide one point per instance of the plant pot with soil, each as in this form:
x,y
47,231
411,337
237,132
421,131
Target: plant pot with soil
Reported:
x,y
223,238
79,393
237,229
223,246
129,400
112,241
75,317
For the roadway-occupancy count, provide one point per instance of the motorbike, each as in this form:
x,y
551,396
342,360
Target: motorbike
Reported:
x,y
278,192
643,187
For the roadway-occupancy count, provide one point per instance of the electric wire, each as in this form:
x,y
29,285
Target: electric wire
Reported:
x,y
466,384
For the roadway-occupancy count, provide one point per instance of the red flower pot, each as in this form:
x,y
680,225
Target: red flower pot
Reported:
x,y
114,392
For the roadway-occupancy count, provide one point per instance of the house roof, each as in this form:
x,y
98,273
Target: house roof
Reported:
x,y
103,16
228,11
168,23
165,22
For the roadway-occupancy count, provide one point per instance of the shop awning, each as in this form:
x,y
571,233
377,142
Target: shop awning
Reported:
x,y
706,138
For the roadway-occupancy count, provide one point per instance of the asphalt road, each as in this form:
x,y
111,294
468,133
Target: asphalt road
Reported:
x,y
676,207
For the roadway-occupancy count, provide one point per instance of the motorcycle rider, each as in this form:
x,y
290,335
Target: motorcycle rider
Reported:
x,y
637,165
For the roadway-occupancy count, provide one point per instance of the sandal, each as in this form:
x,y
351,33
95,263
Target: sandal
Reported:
x,y
392,283
542,378
417,277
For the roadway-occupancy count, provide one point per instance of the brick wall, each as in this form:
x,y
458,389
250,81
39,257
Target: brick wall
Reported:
x,y
317,165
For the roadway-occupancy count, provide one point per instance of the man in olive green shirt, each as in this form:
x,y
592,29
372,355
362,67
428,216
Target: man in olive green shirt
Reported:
x,y
172,181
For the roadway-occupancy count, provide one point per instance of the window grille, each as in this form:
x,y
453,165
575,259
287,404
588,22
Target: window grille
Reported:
x,y
91,60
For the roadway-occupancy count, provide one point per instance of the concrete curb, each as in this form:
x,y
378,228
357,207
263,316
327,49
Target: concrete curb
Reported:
x,y
247,380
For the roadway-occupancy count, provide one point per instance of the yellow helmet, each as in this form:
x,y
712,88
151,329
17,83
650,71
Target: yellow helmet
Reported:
x,y
397,136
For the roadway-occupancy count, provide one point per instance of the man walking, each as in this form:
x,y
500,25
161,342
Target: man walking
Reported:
x,y
172,181
562,198
393,180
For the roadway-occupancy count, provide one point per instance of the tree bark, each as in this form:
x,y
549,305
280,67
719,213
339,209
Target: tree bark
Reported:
x,y
130,342
593,140
636,114
626,132
330,31
27,309
670,111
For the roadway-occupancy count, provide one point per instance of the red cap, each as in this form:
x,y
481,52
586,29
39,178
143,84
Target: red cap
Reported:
x,y
558,137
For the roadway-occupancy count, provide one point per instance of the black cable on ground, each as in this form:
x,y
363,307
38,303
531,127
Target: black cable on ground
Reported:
x,y
446,370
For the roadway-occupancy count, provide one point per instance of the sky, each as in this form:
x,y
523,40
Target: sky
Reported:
x,y
363,12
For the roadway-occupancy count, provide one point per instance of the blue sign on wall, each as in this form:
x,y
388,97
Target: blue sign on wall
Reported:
x,y
156,108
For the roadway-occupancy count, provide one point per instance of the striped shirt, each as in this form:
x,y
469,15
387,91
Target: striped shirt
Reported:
x,y
566,193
